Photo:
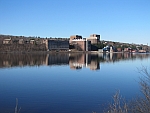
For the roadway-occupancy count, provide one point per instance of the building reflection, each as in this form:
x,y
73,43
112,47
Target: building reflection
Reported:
x,y
74,60
78,61
57,59
13,60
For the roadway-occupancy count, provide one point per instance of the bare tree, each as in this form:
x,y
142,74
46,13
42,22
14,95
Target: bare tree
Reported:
x,y
142,104
118,105
138,105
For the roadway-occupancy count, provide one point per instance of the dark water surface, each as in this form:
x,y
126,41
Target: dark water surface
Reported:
x,y
67,83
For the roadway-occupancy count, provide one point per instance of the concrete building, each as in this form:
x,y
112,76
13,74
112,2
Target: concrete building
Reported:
x,y
94,38
81,44
57,45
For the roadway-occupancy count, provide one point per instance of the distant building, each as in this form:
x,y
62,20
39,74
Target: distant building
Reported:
x,y
21,41
94,38
57,45
32,41
81,44
7,41
142,51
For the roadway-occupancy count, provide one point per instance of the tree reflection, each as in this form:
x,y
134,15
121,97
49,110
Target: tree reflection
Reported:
x,y
74,60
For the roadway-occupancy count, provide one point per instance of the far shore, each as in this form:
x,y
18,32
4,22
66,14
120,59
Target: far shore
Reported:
x,y
47,52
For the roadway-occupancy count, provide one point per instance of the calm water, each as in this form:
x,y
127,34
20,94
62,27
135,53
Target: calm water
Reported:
x,y
67,83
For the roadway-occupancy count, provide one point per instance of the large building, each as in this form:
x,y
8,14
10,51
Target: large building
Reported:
x,y
61,45
81,44
94,38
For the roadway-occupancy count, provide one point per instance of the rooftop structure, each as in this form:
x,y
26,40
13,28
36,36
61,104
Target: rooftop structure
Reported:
x,y
95,36
75,37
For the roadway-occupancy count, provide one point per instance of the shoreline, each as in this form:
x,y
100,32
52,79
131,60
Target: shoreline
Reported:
x,y
48,52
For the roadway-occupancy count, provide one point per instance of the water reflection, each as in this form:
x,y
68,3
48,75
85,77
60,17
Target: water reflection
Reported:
x,y
59,89
74,60
78,61
12,60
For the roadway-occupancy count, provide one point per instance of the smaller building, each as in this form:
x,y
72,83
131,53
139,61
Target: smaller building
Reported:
x,y
142,51
21,41
126,49
7,41
32,41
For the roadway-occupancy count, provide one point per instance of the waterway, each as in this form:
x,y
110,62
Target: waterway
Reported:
x,y
67,82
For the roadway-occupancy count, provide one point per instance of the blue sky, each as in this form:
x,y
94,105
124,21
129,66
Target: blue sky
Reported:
x,y
115,20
